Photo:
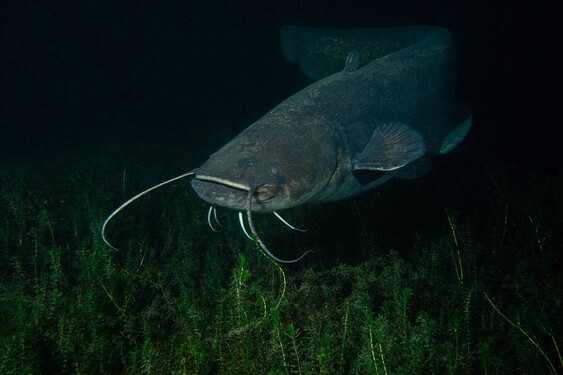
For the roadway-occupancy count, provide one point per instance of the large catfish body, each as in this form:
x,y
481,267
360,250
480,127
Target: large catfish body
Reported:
x,y
349,131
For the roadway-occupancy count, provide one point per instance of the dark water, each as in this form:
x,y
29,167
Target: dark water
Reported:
x,y
90,77
155,87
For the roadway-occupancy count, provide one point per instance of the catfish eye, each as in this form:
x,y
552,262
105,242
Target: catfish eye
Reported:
x,y
274,170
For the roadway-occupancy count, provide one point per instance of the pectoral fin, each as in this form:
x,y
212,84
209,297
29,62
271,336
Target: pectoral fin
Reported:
x,y
390,147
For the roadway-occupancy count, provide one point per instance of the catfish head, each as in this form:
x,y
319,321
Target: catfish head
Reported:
x,y
278,166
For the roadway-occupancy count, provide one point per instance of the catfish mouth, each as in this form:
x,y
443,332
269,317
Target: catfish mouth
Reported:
x,y
221,181
225,193
218,191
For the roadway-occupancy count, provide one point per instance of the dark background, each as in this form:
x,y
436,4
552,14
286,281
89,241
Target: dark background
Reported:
x,y
95,77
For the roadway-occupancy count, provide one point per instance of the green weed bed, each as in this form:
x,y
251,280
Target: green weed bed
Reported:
x,y
178,298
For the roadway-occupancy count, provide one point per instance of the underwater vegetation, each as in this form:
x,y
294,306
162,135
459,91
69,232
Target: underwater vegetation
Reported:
x,y
483,296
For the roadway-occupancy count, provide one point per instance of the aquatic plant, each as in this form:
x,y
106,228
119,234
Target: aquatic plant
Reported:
x,y
481,296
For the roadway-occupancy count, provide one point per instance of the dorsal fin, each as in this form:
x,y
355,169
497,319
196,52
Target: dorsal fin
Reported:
x,y
320,52
353,61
